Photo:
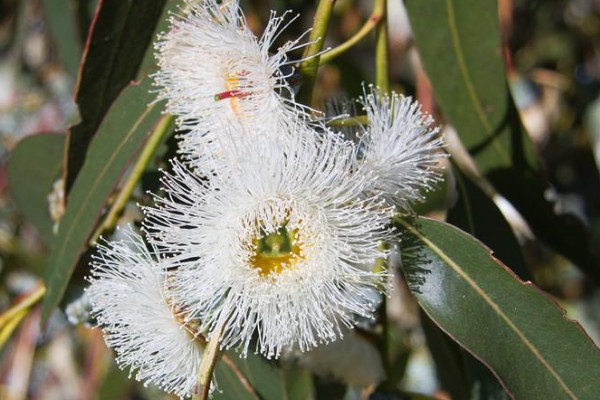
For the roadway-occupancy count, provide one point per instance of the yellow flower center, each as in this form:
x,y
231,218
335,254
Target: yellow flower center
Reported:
x,y
276,252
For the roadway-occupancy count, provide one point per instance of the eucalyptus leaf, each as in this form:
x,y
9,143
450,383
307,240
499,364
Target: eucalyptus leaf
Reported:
x,y
463,59
121,32
120,136
511,326
476,213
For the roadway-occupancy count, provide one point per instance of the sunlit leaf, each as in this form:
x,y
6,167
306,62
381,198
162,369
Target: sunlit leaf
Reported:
x,y
509,325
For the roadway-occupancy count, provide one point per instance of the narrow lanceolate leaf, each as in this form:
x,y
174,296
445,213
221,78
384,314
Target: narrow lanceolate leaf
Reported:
x,y
121,134
463,59
511,326
120,35
34,165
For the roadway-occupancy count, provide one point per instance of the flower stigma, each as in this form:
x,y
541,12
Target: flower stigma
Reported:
x,y
233,90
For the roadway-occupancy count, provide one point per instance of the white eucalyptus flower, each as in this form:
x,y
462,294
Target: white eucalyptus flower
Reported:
x,y
214,71
129,300
399,147
278,250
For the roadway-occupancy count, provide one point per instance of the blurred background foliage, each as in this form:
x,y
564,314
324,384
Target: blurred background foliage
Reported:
x,y
551,51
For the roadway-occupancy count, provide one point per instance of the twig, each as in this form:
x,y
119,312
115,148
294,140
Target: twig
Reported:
x,y
382,77
376,16
207,365
27,302
308,67
382,49
9,327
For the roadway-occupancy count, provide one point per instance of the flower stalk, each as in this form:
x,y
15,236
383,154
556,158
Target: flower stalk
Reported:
x,y
382,49
382,78
207,365
374,19
311,57
10,319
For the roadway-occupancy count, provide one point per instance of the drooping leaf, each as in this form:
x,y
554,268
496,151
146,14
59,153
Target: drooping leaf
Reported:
x,y
34,165
463,59
511,326
121,134
119,38
62,22
85,10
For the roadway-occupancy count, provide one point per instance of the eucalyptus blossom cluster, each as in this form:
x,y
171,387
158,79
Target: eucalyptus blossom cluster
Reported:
x,y
270,223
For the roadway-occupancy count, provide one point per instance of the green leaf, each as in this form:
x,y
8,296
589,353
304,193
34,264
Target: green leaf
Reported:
x,y
266,380
30,182
463,59
120,35
113,148
511,326
61,20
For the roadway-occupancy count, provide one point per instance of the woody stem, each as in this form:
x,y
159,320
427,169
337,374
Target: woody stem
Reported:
x,y
207,365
